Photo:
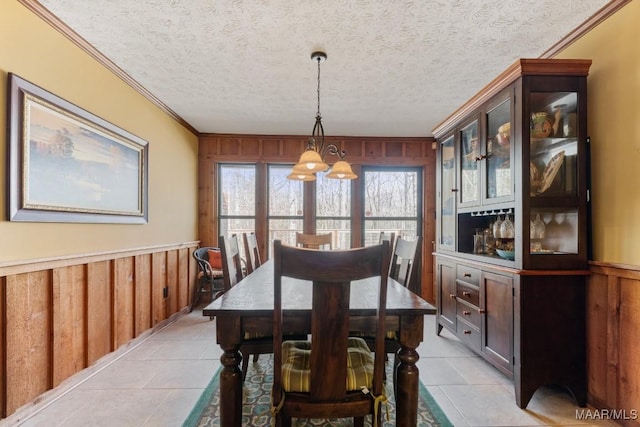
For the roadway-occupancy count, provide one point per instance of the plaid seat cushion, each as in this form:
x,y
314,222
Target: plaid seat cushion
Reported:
x,y
296,356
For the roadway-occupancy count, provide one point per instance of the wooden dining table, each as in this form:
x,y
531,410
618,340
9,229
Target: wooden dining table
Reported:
x,y
248,307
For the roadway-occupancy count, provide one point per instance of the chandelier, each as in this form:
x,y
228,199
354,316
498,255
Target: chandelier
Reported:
x,y
312,160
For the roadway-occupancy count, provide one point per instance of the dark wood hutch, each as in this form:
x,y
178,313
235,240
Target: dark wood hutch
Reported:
x,y
511,224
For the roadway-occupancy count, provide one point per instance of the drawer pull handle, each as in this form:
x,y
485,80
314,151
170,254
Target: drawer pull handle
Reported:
x,y
467,274
453,296
466,332
454,190
482,310
466,294
466,312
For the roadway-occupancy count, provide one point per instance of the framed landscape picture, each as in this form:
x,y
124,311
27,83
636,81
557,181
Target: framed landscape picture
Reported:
x,y
68,165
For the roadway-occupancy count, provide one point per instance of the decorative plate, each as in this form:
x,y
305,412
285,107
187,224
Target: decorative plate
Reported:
x,y
551,171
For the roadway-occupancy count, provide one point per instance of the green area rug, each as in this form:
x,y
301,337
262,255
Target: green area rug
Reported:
x,y
257,402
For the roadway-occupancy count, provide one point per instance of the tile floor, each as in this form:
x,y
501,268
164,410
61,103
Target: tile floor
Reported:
x,y
158,379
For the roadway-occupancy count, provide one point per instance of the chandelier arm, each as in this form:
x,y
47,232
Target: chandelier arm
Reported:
x,y
333,149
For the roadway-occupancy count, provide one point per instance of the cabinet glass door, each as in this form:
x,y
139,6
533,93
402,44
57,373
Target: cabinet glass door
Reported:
x,y
470,164
447,194
553,173
499,171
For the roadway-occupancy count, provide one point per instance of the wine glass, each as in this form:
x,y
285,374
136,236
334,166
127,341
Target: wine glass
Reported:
x,y
537,228
496,228
507,230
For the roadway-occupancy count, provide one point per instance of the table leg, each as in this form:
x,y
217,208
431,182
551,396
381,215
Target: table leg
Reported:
x,y
408,379
231,388
407,375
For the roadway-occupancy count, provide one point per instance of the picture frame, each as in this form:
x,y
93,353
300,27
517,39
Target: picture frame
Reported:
x,y
65,164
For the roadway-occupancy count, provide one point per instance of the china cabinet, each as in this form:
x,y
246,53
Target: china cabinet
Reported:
x,y
511,233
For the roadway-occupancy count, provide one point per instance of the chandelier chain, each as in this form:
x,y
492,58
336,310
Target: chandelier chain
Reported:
x,y
319,60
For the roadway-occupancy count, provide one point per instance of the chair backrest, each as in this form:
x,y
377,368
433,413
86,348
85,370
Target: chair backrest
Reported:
x,y
331,274
231,264
201,255
389,236
313,241
251,251
405,263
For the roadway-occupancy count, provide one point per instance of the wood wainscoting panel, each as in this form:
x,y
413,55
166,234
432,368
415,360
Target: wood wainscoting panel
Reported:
x,y
143,301
60,315
99,315
613,347
69,321
629,347
158,283
183,278
123,301
171,284
3,353
597,337
29,319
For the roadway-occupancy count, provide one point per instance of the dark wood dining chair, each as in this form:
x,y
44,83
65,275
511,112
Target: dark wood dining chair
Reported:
x,y
323,377
406,255
251,251
314,241
405,263
232,268
231,262
389,236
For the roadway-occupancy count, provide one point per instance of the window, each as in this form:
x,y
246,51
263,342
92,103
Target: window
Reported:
x,y
259,197
237,199
333,210
392,201
285,205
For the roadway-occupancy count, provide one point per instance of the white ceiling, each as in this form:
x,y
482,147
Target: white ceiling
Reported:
x,y
394,68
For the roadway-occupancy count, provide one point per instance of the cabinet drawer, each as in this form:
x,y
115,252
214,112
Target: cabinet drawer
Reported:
x,y
468,313
469,294
468,334
468,275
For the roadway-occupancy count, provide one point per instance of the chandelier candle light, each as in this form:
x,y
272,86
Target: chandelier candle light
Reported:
x,y
312,160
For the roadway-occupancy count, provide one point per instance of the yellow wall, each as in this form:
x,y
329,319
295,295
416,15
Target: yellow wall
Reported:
x,y
36,52
614,127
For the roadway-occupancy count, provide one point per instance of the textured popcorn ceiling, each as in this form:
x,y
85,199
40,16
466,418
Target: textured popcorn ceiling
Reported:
x,y
394,67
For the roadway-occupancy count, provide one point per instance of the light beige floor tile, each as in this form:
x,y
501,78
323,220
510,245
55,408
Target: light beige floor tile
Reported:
x,y
476,370
449,409
175,408
98,408
488,405
123,374
178,349
554,406
438,371
143,351
193,326
176,374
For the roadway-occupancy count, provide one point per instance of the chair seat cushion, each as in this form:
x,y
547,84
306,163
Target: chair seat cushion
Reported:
x,y
390,335
296,358
215,258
